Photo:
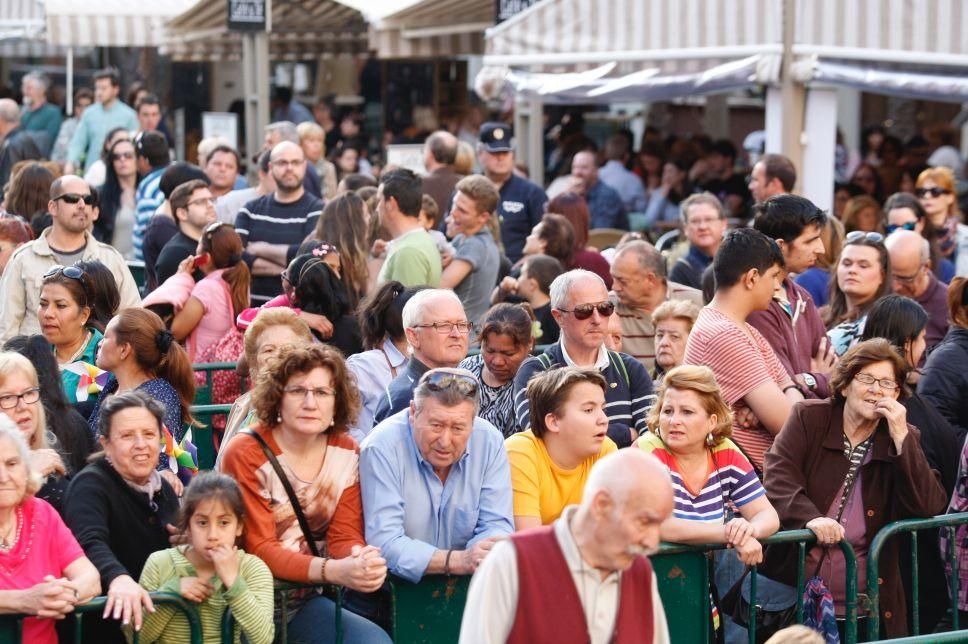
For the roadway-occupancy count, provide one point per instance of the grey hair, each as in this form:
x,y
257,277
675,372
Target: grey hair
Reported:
x,y
648,257
128,400
413,310
9,111
563,283
38,77
704,198
286,130
10,431
447,397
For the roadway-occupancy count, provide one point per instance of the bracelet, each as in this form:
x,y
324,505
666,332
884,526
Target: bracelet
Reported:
x,y
322,571
447,562
789,387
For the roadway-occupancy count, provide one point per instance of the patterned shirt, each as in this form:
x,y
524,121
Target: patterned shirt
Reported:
x,y
497,403
959,503
638,332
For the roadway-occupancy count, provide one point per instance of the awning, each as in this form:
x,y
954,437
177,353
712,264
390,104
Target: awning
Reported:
x,y
433,29
110,23
22,30
305,30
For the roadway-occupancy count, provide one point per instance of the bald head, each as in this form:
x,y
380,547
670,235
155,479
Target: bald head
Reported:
x,y
906,246
645,254
630,472
9,111
442,147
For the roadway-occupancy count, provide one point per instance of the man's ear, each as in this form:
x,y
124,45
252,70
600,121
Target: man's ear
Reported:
x,y
751,277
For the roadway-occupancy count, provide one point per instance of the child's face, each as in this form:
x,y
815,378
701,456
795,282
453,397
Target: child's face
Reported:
x,y
213,524
425,220
525,284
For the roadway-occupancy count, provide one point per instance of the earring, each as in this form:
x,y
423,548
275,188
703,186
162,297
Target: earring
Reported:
x,y
657,431
710,439
278,418
332,422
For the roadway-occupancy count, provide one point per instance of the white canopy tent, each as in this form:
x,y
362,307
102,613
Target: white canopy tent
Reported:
x,y
432,29
666,48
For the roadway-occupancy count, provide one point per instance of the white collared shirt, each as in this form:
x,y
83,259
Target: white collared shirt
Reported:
x,y
601,363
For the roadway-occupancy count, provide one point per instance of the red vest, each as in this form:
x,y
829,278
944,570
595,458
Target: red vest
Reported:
x,y
549,608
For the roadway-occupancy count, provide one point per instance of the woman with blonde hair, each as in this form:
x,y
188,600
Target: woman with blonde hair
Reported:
x,y
312,140
690,427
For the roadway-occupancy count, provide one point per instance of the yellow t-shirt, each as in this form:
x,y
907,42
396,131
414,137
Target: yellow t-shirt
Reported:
x,y
541,488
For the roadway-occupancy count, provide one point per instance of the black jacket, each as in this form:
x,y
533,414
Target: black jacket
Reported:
x,y
18,145
399,392
945,380
117,528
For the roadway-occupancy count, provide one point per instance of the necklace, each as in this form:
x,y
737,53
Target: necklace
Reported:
x,y
7,546
77,354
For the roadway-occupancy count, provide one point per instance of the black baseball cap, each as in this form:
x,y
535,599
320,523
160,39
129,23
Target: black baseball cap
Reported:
x,y
497,137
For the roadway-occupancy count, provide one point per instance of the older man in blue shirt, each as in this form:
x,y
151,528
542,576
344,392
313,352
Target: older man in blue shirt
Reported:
x,y
435,481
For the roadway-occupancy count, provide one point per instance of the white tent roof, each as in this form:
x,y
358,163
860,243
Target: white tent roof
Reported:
x,y
433,29
110,23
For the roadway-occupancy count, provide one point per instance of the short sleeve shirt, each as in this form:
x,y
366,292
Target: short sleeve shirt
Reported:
x,y
413,260
541,488
741,362
480,251
218,319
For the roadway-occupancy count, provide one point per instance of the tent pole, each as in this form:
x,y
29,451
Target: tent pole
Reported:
x,y
70,82
791,96
536,140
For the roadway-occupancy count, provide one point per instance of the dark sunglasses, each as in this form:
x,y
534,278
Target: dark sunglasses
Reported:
x,y
70,272
920,193
72,198
584,311
117,156
908,226
440,380
858,235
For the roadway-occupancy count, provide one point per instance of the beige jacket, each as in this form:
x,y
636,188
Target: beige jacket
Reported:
x,y
24,276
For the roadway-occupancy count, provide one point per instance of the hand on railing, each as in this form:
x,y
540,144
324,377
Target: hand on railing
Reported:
x,y
53,598
827,530
195,589
740,534
125,600
364,570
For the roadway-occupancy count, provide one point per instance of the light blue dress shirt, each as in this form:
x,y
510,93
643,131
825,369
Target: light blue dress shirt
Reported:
x,y
409,513
374,370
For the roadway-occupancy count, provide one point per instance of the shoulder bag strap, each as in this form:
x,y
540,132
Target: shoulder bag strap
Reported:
x,y
393,370
291,493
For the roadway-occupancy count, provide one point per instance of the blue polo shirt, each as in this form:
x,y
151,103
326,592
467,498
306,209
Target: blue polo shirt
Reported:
x,y
519,209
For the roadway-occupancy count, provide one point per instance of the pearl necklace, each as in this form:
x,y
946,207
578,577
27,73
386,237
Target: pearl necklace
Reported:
x,y
6,546
77,354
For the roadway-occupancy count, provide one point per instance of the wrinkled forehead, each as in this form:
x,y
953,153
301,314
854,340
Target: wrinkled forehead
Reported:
x,y
586,291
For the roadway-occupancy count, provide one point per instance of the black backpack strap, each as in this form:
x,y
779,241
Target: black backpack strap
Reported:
x,y
291,493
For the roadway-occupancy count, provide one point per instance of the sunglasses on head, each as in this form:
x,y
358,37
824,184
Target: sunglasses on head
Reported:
x,y
920,193
908,226
584,311
72,198
440,380
858,235
70,272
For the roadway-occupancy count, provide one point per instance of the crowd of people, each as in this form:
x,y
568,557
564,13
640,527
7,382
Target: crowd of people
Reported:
x,y
440,374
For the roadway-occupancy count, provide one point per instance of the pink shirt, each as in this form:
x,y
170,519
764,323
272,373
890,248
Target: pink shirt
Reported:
x,y
218,320
46,547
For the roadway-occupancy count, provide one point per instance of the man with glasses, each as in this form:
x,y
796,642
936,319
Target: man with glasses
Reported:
x,y
438,331
792,323
272,227
194,209
639,286
754,383
435,481
67,241
911,269
703,222
580,305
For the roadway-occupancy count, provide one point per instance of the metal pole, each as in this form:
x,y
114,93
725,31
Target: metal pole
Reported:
x,y
536,140
70,82
791,99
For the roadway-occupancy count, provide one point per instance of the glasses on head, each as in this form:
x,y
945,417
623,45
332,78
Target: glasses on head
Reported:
x,y
867,379
117,156
584,311
208,201
446,327
935,192
894,227
303,392
440,380
9,401
212,227
858,235
70,272
72,198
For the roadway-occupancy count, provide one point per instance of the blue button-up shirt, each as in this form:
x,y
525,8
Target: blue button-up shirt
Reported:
x,y
409,513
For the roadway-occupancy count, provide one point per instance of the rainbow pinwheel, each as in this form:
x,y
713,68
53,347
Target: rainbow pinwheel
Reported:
x,y
182,457
90,379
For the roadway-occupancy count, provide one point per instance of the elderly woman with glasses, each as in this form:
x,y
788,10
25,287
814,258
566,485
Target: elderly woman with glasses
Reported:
x,y
863,276
847,466
298,471
43,570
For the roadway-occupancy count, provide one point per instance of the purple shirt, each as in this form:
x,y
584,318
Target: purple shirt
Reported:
x,y
935,302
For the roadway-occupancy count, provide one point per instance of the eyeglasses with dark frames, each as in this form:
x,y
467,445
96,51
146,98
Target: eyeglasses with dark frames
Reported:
x,y
30,397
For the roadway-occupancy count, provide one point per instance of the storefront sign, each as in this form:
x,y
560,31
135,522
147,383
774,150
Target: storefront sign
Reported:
x,y
504,9
247,15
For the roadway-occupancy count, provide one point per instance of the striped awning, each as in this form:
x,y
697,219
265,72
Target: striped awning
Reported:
x,y
110,23
433,29
304,30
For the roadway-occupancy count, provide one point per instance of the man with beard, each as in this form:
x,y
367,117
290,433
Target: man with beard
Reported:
x,y
67,241
272,227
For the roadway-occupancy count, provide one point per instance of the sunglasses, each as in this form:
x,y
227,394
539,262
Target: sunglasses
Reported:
x,y
584,311
921,193
72,198
908,226
440,380
117,156
70,272
858,235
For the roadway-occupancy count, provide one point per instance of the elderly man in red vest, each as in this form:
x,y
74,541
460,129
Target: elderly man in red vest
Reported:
x,y
590,564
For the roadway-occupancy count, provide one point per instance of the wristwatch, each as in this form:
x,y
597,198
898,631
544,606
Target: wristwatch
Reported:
x,y
809,380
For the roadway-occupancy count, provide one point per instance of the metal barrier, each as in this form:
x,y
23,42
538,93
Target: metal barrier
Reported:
x,y
688,611
931,638
948,522
203,394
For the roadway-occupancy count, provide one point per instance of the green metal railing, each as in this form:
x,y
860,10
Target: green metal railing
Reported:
x,y
931,638
948,522
203,394
202,435
675,571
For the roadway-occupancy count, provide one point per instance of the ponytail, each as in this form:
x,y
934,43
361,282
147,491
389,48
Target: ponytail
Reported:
x,y
239,280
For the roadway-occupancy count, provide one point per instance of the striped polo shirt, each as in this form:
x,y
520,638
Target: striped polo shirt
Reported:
x,y
638,332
